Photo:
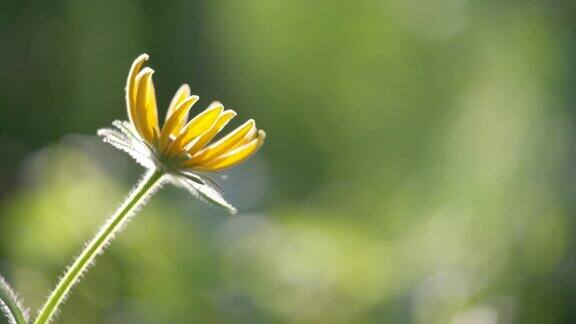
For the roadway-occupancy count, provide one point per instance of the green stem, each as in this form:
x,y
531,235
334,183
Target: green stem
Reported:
x,y
10,305
137,198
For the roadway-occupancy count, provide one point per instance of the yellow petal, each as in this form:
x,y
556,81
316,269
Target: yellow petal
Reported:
x,y
182,94
237,155
131,88
247,138
146,110
225,143
203,139
198,125
177,118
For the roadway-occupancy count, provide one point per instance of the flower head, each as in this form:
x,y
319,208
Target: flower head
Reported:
x,y
185,150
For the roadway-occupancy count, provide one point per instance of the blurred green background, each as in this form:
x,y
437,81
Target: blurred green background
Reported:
x,y
419,167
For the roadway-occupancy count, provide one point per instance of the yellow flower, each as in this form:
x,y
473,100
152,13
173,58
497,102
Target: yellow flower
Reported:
x,y
186,143
184,150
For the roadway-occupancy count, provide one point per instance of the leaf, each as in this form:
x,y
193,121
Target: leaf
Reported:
x,y
10,306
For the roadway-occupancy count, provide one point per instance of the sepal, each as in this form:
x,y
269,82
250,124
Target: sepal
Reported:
x,y
202,188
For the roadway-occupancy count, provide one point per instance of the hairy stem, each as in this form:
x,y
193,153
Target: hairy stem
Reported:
x,y
138,197
10,306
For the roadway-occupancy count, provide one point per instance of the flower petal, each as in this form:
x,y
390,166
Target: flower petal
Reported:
x,y
247,138
182,94
237,155
225,143
177,118
208,135
147,113
131,86
195,127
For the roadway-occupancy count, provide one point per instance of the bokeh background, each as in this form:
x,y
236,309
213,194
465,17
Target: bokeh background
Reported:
x,y
420,164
